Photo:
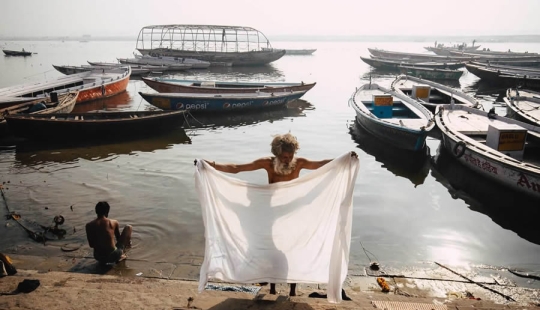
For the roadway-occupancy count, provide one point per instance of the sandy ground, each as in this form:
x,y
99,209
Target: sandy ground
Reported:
x,y
79,283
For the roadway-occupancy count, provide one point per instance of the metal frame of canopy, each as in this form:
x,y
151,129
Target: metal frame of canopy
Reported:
x,y
202,38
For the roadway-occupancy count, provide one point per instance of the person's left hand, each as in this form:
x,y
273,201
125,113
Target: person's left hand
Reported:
x,y
195,162
353,154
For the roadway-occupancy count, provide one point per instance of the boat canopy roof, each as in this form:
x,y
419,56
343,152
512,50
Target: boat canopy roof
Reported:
x,y
207,38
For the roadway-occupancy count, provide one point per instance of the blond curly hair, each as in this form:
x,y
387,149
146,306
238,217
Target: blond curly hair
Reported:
x,y
284,143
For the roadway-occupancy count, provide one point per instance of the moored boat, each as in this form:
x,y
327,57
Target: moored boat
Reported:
x,y
395,64
502,149
504,77
417,56
392,117
238,45
17,53
100,125
178,66
54,104
431,73
92,85
431,94
165,60
524,104
163,85
135,70
220,102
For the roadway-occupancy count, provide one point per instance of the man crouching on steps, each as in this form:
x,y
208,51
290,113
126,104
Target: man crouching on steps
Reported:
x,y
101,234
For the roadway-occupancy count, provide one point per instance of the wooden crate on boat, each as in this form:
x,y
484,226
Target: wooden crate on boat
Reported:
x,y
382,106
421,92
507,138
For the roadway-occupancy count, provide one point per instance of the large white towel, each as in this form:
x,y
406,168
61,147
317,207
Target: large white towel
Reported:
x,y
289,232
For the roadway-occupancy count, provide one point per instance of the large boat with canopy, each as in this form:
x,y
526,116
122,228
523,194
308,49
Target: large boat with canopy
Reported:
x,y
241,46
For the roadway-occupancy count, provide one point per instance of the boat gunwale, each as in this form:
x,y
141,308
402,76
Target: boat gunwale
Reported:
x,y
478,147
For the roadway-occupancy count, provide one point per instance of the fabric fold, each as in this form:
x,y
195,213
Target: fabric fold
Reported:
x,y
289,232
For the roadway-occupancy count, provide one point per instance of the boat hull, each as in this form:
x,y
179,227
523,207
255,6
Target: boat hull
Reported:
x,y
399,138
395,65
431,74
103,91
254,58
100,126
218,104
16,53
167,87
511,176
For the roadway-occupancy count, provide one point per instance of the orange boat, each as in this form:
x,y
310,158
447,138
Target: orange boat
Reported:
x,y
92,85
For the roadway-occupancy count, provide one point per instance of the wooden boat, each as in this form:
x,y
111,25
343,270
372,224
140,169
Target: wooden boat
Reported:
x,y
220,102
417,56
510,62
504,77
117,64
493,53
497,57
524,104
92,85
507,68
431,94
395,64
392,117
307,51
502,149
94,125
221,87
145,62
239,45
17,53
430,73
55,104
135,70
411,165
445,50
166,60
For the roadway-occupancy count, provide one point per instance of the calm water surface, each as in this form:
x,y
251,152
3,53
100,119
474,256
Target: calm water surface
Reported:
x,y
408,208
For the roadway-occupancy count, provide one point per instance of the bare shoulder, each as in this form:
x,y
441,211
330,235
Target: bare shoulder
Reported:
x,y
301,161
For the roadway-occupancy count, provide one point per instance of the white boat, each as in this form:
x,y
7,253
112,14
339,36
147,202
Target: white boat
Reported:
x,y
431,94
500,148
155,62
525,104
195,63
135,70
288,51
392,117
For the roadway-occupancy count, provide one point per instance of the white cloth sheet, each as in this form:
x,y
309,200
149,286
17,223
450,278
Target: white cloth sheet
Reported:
x,y
289,232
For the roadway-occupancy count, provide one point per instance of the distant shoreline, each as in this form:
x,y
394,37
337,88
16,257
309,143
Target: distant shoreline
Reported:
x,y
322,38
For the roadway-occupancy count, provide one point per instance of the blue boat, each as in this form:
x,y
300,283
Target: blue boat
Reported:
x,y
220,102
392,117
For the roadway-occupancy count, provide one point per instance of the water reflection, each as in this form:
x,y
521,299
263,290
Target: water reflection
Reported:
x,y
411,165
253,74
509,209
114,103
32,154
245,118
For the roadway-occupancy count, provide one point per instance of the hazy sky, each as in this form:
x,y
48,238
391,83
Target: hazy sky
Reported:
x,y
273,17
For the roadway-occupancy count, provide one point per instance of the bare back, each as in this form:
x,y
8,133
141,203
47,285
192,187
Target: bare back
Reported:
x,y
101,234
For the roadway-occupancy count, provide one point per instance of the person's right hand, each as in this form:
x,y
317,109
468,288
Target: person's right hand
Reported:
x,y
195,162
353,154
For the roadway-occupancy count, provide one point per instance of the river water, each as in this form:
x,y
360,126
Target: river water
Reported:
x,y
408,208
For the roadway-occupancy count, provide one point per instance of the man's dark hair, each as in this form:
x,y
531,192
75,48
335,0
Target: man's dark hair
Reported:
x,y
102,208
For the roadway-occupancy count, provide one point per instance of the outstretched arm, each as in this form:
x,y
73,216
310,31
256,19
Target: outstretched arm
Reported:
x,y
261,163
310,164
